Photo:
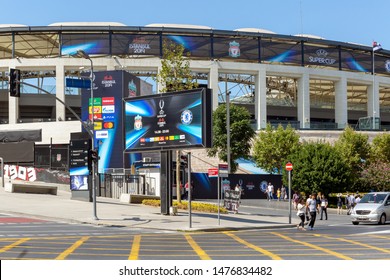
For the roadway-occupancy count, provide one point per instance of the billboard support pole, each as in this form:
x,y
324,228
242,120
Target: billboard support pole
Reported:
x,y
228,129
289,196
219,200
2,172
189,190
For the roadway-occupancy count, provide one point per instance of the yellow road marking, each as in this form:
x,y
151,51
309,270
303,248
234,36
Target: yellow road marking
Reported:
x,y
72,248
254,247
330,252
13,245
356,243
135,248
380,236
201,253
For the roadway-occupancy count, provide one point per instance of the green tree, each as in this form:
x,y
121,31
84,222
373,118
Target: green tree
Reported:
x,y
380,148
175,75
355,150
318,167
273,147
241,134
376,175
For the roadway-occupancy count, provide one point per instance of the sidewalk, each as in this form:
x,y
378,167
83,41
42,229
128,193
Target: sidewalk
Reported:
x,y
111,212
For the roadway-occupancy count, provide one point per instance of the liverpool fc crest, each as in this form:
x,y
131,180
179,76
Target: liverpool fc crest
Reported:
x,y
137,122
234,49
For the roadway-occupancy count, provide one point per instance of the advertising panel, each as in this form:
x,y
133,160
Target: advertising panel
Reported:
x,y
135,44
109,88
195,45
326,57
90,43
382,64
356,61
251,185
237,48
168,121
79,168
281,51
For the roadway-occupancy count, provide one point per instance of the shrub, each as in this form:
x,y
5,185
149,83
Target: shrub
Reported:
x,y
196,206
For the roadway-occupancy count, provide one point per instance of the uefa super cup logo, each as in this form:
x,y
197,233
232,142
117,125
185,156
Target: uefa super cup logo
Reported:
x,y
161,105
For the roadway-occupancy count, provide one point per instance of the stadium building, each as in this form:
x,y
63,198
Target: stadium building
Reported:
x,y
312,83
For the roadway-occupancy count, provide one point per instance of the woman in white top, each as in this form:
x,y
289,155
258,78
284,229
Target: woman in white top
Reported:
x,y
301,210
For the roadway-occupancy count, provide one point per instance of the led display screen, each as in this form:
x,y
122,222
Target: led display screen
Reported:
x,y
90,43
356,61
321,56
168,121
196,46
236,48
281,51
135,44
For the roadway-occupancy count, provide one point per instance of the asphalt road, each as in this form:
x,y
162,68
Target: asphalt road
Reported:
x,y
334,239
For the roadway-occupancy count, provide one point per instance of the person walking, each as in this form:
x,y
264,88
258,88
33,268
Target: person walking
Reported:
x,y
301,213
278,193
312,208
283,192
351,203
339,204
324,207
270,191
295,200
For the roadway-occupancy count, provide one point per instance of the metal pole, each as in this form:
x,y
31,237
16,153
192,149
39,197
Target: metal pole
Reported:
x,y
2,172
228,129
189,190
373,89
219,199
289,197
93,146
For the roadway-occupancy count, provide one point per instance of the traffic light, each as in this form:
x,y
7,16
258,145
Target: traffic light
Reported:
x,y
93,156
14,82
184,160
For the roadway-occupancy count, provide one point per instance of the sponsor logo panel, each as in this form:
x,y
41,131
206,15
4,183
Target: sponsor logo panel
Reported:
x,y
101,134
108,117
108,101
108,109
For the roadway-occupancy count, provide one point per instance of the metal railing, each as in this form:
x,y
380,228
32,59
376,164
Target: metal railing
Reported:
x,y
114,185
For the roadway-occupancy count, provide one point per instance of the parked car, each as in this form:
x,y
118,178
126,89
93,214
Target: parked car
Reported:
x,y
372,208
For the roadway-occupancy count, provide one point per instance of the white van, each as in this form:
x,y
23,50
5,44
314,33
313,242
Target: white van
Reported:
x,y
372,208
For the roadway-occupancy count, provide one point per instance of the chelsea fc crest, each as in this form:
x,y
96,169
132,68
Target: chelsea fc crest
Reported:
x,y
186,117
387,66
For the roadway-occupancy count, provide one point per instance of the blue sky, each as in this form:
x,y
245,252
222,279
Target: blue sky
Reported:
x,y
357,21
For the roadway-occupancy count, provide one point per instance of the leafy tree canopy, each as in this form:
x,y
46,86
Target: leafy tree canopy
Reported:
x,y
241,134
175,73
380,147
318,167
273,147
376,175
354,146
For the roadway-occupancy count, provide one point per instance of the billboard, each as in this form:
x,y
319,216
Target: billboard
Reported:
x,y
79,166
109,88
168,121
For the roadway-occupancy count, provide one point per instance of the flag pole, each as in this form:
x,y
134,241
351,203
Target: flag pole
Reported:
x,y
373,85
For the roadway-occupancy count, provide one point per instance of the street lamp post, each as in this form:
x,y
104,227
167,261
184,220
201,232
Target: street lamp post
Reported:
x,y
228,129
83,54
373,89
375,47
